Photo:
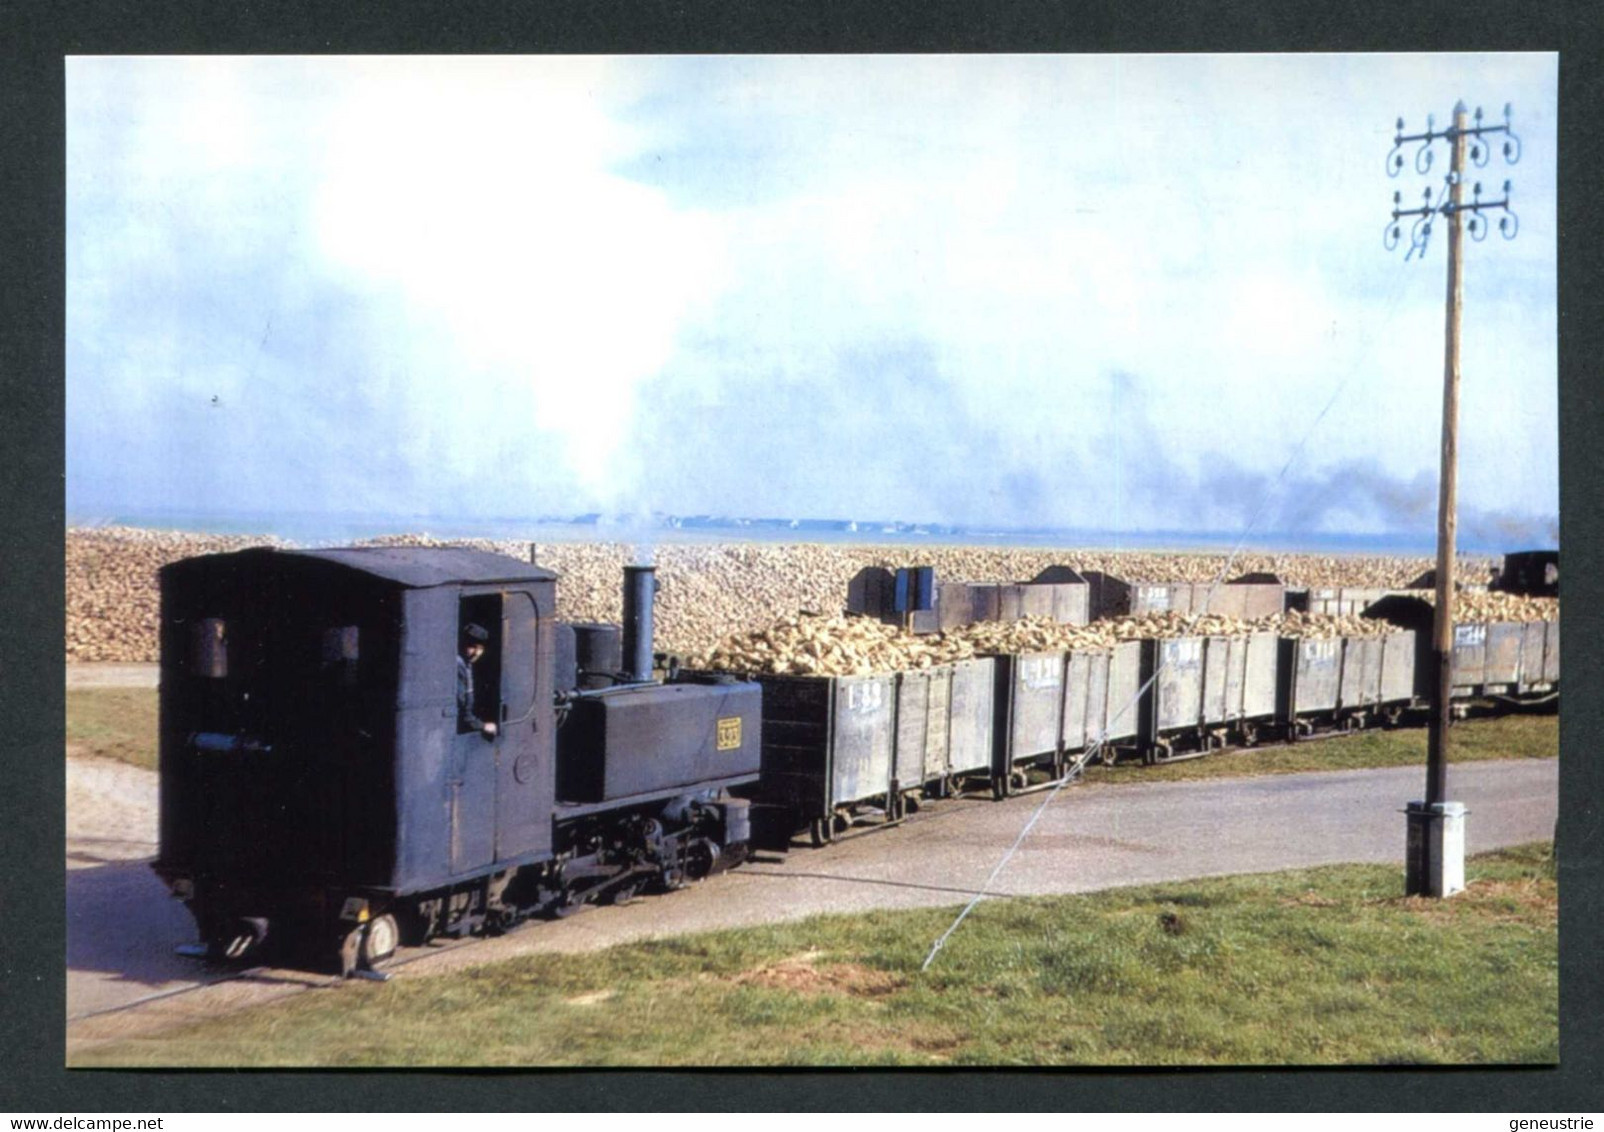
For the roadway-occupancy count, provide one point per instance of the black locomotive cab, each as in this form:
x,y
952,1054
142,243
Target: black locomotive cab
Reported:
x,y
315,761
360,748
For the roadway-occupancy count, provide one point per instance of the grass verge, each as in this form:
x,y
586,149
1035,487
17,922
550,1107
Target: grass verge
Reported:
x,y
1316,966
113,723
1515,736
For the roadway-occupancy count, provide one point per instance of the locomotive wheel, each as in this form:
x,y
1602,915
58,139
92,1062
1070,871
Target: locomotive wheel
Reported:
x,y
701,858
346,949
816,831
243,937
627,892
565,905
380,940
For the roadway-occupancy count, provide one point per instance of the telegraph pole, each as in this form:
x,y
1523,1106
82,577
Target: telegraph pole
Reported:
x,y
1436,841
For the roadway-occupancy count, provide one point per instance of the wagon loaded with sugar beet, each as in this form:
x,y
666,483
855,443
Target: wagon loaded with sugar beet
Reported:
x,y
1505,646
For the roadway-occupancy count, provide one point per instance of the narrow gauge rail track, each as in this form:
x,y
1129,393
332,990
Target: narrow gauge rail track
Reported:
x,y
932,810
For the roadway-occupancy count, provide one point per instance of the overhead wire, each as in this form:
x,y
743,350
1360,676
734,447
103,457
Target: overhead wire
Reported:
x,y
1098,741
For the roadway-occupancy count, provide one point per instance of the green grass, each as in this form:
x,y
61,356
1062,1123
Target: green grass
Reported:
x,y
114,723
1316,966
1522,736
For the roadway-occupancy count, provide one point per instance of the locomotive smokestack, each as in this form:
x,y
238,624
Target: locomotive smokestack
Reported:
x,y
640,589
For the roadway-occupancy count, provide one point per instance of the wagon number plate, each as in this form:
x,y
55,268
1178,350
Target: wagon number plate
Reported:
x,y
729,733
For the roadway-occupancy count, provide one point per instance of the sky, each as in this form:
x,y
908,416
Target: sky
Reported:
x,y
1123,293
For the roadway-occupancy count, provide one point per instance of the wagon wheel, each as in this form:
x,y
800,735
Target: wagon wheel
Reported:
x,y
379,941
818,833
999,787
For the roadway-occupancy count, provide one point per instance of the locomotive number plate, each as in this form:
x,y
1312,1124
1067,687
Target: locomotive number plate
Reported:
x,y
729,733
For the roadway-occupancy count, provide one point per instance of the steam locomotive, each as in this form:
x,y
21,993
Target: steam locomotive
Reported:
x,y
324,787
361,748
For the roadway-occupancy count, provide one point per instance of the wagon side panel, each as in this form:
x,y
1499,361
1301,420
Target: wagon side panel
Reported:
x,y
970,716
864,738
1502,664
1123,715
1258,681
1398,667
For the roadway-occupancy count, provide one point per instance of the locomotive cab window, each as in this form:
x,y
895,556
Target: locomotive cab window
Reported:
x,y
338,653
478,662
208,648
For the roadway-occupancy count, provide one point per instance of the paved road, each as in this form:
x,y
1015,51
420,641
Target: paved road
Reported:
x,y
122,926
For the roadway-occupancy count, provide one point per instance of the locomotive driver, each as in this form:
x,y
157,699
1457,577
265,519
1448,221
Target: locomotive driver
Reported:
x,y
472,648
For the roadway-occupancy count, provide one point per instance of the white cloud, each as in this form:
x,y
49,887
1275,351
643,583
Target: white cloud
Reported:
x,y
486,199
